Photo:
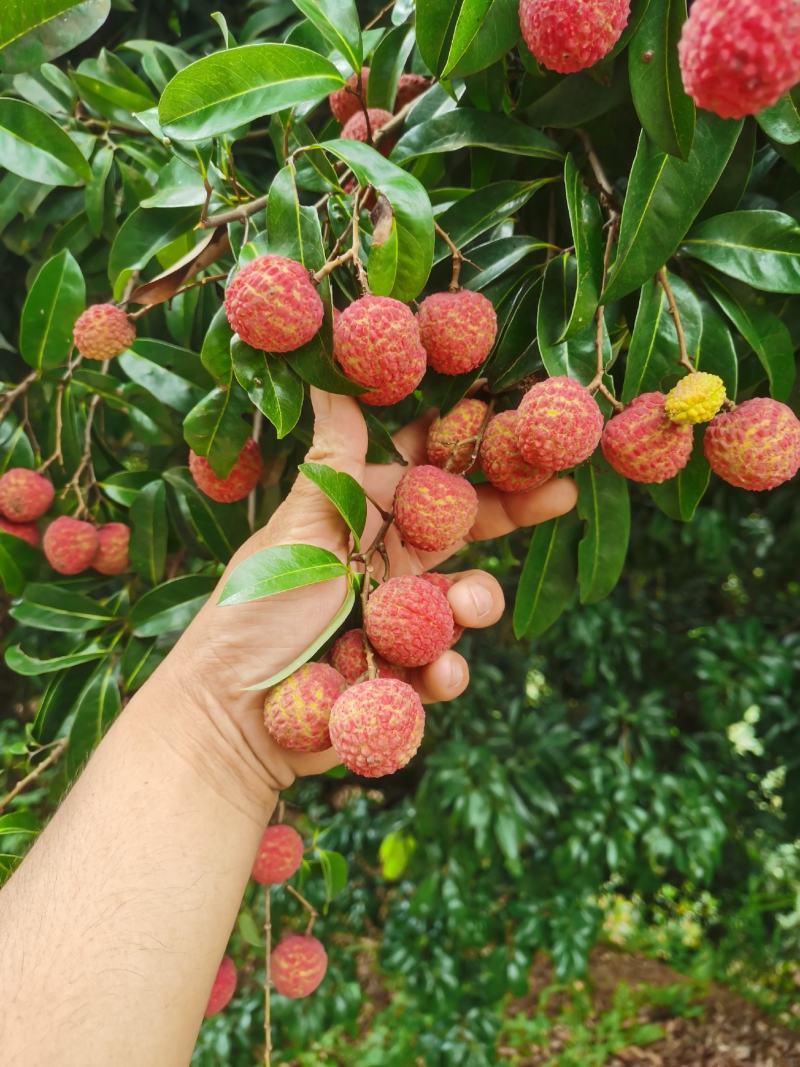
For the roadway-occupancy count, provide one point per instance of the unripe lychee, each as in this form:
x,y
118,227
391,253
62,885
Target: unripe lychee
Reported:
x,y
501,460
740,56
273,305
346,101
434,509
242,479
223,988
756,446
409,621
558,424
70,545
377,726
26,531
444,583
696,398
279,856
298,965
409,88
103,331
296,710
112,553
453,438
457,330
642,444
350,660
25,495
376,342
571,35
355,129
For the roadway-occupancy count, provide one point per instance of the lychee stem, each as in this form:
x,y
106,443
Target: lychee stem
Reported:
x,y
17,391
476,441
313,914
455,252
599,172
684,360
597,384
356,248
377,18
267,977
378,547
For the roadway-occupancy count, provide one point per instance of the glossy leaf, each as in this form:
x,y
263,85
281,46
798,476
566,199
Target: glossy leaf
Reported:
x,y
337,21
387,64
57,703
97,706
576,356
653,354
171,606
271,384
26,29
54,607
761,248
34,146
21,663
216,428
483,210
547,584
55,300
343,491
679,497
604,507
148,547
468,128
221,528
279,569
586,221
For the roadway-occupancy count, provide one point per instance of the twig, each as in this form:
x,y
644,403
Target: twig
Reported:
x,y
86,458
377,18
597,384
356,248
597,169
313,914
18,390
455,252
56,453
56,754
476,441
236,214
377,547
267,977
395,122
684,360
332,265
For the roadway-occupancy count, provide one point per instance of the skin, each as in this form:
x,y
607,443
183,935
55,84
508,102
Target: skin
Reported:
x,y
112,929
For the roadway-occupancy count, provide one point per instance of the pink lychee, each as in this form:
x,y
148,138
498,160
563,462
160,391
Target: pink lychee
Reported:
x,y
298,965
571,35
223,988
242,479
409,88
457,330
558,424
376,342
26,531
279,856
346,101
25,495
103,331
350,660
296,710
643,444
434,509
756,446
377,726
112,554
444,583
273,305
70,545
409,621
501,460
355,129
453,438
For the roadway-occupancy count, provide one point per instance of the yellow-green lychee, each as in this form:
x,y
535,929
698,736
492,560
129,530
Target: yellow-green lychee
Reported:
x,y
696,398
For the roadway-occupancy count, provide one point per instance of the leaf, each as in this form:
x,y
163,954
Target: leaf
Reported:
x,y
604,506
279,569
468,128
19,822
781,122
761,248
215,354
170,282
18,560
220,527
483,210
586,221
21,663
577,356
249,931
435,22
577,100
124,487
678,498
271,384
95,709
334,872
395,853
337,21
547,583
484,32
215,428
344,493
228,89
387,64
51,606
171,606
148,547
653,354
55,300
28,38
716,352
34,146
96,189
144,363
144,233
57,702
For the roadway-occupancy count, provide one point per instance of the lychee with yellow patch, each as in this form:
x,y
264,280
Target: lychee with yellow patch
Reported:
x,y
377,726
376,343
280,853
434,509
457,330
501,460
409,621
298,965
453,438
559,424
240,481
70,545
642,444
756,446
273,305
297,710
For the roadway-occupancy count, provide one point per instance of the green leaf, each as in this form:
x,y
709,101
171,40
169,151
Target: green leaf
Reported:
x,y
435,22
395,853
279,569
144,233
387,64
484,32
124,487
761,248
220,527
111,88
215,354
34,146
28,38
229,89
96,189
483,210
577,100
55,300
678,498
249,930
344,493
21,663
781,122
653,354
215,428
271,384
547,583
586,221
148,548
716,352
143,364
576,356
56,607
95,709
337,21
19,822
334,872
171,606
468,128
18,560
604,506
57,703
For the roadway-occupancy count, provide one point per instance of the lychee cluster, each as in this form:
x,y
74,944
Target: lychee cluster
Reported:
x,y
240,481
103,331
273,305
571,35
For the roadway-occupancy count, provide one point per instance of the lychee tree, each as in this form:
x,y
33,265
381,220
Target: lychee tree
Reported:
x,y
568,225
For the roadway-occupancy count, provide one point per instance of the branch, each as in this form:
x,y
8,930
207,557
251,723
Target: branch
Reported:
x,y
18,390
236,214
267,977
684,359
597,169
312,911
55,755
455,252
597,384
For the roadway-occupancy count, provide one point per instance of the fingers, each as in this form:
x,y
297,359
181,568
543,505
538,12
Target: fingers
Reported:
x,y
340,433
411,441
476,599
306,763
500,513
444,679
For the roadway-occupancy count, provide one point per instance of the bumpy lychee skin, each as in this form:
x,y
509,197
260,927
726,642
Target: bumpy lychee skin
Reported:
x,y
453,438
409,88
242,479
457,330
376,343
642,444
444,583
558,424
434,509
223,988
273,305
571,35
350,660
298,965
346,101
279,856
355,129
70,545
377,726
296,710
409,621
112,554
103,331
501,460
25,495
756,446
696,398
740,56
25,531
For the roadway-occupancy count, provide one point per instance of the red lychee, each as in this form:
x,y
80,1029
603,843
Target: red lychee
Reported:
x,y
457,330
296,710
409,88
355,129
453,438
350,660
501,460
273,305
558,424
409,621
223,988
376,342
103,331
70,545
112,554
25,495
756,446
444,583
242,479
279,856
434,509
643,444
377,726
26,531
571,35
298,965
346,101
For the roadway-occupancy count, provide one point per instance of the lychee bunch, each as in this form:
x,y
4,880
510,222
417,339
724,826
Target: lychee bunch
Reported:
x,y
298,965
280,853
571,35
453,438
25,495
70,545
103,331
642,444
355,129
558,424
756,446
112,551
409,88
444,583
740,56
501,460
376,726
296,710
696,398
346,101
223,988
240,481
457,330
376,342
434,509
25,531
350,660
409,621
273,305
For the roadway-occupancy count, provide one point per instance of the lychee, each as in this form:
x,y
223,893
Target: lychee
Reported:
x,y
696,398
740,56
70,545
273,305
279,856
376,342
453,438
457,330
223,988
558,424
756,446
355,129
377,726
25,495
642,444
242,479
409,621
296,710
571,35
409,88
103,331
112,554
444,583
298,965
346,101
350,660
26,531
434,509
501,460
